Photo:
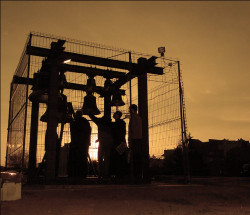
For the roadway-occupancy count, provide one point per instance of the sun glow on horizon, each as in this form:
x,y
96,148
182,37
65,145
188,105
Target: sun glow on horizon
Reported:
x,y
93,149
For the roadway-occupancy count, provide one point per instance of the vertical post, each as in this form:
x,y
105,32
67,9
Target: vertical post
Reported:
x,y
183,131
107,106
51,133
33,139
26,105
130,84
143,112
10,116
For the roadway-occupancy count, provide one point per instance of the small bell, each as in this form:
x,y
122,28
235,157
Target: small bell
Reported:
x,y
117,99
89,105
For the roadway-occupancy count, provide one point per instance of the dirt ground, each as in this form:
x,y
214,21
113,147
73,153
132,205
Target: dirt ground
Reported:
x,y
210,196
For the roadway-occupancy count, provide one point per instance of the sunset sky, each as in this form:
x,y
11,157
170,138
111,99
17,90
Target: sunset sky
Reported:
x,y
211,39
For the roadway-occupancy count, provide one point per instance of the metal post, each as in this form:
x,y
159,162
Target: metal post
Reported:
x,y
107,107
183,131
10,115
130,81
33,139
26,105
143,112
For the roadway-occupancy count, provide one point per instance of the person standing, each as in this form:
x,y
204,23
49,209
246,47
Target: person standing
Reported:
x,y
135,142
80,141
119,161
105,138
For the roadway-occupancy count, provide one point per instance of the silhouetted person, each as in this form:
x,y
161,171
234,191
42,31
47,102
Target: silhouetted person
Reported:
x,y
135,142
80,141
118,158
105,139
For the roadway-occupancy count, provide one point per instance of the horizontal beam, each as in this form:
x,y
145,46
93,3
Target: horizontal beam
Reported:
x,y
99,90
43,52
70,86
22,80
92,71
129,76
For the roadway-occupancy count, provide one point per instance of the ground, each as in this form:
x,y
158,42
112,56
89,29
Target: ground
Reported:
x,y
210,196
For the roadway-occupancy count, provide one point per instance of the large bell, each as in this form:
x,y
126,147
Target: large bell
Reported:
x,y
89,105
40,80
59,116
40,96
62,117
40,93
63,114
117,99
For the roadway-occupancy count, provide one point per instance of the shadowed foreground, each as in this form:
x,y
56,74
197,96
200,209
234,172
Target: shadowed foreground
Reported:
x,y
203,196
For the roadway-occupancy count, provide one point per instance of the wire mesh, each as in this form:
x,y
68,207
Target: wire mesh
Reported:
x,y
163,99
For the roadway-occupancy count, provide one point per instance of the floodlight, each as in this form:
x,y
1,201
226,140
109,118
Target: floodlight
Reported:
x,y
161,50
67,61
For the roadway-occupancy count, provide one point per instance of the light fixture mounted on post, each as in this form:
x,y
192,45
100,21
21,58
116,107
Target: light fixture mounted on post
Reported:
x,y
161,50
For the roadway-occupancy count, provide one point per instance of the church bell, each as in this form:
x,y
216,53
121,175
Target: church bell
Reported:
x,y
40,92
117,99
63,114
40,96
89,105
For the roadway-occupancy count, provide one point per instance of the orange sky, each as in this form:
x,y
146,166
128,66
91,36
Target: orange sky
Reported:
x,y
211,39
